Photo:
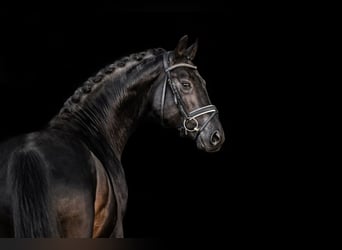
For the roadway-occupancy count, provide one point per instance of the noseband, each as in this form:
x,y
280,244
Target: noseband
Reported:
x,y
189,118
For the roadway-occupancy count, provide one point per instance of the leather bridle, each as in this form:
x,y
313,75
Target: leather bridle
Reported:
x,y
189,117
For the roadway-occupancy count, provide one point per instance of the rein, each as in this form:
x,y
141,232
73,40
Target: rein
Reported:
x,y
189,118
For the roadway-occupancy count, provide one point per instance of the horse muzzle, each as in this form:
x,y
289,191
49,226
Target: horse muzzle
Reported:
x,y
210,141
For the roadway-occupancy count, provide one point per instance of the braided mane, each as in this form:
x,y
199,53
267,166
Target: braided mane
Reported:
x,y
117,70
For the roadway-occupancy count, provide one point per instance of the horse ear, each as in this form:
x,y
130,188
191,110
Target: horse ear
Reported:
x,y
191,51
181,46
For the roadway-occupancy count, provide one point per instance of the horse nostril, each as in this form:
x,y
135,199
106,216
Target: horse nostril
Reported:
x,y
215,138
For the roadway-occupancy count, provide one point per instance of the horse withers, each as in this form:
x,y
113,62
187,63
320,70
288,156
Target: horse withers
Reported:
x,y
67,179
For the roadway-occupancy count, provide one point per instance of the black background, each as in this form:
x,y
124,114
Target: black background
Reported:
x,y
174,189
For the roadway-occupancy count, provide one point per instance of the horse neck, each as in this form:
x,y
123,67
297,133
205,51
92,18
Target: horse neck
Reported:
x,y
107,117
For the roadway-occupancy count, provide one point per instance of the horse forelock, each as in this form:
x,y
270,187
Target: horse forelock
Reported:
x,y
114,71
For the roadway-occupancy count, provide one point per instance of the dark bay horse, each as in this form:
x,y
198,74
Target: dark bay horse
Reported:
x,y
67,180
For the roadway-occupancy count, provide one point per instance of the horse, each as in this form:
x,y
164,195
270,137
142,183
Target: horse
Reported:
x,y
67,180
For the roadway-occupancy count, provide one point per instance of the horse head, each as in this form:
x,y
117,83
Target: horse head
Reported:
x,y
181,100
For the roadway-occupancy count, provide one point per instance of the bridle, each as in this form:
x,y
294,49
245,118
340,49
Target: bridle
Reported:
x,y
189,117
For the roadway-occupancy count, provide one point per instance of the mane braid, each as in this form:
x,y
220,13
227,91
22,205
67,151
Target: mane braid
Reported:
x,y
117,69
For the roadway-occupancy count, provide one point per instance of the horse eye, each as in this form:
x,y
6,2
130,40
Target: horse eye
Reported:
x,y
186,85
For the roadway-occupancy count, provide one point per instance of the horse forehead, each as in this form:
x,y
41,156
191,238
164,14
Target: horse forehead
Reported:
x,y
186,73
